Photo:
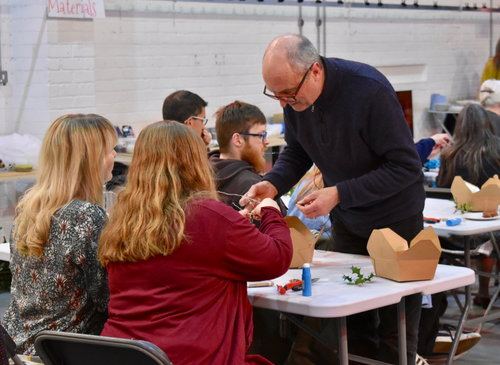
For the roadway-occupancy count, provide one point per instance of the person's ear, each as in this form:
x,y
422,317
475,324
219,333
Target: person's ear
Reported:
x,y
316,71
189,122
237,140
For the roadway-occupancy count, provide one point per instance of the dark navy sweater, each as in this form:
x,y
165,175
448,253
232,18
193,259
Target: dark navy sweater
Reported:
x,y
358,137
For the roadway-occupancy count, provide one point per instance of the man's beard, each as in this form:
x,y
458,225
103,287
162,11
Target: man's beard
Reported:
x,y
254,157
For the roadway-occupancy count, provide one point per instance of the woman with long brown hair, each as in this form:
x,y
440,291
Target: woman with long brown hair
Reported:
x,y
178,259
475,153
57,282
475,156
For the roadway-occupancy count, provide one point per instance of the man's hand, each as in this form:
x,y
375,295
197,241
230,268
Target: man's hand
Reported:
x,y
442,140
258,193
319,202
206,136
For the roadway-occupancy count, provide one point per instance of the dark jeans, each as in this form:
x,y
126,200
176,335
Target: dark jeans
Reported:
x,y
372,334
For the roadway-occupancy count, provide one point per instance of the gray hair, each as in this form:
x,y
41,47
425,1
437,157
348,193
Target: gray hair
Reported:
x,y
301,53
489,93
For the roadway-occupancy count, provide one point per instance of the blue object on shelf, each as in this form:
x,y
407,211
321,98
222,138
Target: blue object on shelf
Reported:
x,y
433,164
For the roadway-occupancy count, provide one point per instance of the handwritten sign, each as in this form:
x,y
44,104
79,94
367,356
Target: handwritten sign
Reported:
x,y
76,8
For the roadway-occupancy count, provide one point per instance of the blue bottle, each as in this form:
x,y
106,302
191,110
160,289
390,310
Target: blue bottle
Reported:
x,y
453,222
306,280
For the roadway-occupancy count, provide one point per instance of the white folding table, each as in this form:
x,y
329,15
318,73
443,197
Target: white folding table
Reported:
x,y
441,208
333,298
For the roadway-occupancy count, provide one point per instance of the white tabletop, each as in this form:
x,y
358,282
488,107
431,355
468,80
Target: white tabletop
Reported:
x,y
442,208
4,252
332,297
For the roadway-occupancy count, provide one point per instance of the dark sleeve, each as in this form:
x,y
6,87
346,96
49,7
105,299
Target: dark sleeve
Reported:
x,y
292,164
258,254
424,148
389,137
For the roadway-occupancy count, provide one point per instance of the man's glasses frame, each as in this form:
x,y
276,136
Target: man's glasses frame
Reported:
x,y
261,135
205,120
289,99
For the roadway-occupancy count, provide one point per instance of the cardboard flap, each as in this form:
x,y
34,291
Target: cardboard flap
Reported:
x,y
385,243
492,190
492,181
296,223
303,250
422,250
427,235
460,191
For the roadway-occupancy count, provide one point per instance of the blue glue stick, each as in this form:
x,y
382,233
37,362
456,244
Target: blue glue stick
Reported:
x,y
453,222
306,280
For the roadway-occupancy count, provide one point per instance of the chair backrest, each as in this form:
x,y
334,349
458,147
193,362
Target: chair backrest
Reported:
x,y
7,347
57,348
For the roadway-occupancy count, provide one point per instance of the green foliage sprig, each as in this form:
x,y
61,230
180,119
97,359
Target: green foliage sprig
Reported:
x,y
464,208
360,279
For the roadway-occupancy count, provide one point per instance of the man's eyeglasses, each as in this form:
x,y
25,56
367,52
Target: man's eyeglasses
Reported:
x,y
263,135
288,99
205,120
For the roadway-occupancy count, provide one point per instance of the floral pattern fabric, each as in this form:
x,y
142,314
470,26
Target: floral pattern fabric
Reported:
x,y
66,289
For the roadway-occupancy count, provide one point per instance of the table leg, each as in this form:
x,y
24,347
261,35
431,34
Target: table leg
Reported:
x,y
402,333
342,334
465,311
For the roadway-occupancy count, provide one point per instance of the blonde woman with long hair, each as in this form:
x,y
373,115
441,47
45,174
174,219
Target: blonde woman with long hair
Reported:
x,y
57,282
178,259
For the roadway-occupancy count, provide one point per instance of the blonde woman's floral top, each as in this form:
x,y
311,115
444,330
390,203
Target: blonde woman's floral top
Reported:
x,y
66,289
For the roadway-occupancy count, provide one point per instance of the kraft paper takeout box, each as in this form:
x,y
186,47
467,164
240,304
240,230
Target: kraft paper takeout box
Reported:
x,y
303,241
486,199
392,259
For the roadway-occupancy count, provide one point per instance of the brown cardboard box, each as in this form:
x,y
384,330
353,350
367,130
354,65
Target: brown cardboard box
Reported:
x,y
486,199
392,259
303,241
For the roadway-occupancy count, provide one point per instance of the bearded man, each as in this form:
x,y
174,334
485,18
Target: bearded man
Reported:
x,y
242,137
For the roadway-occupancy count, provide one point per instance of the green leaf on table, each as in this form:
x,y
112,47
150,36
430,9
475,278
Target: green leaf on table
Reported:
x,y
358,278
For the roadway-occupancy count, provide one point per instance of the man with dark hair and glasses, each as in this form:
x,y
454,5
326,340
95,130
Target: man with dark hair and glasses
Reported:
x,y
344,116
186,107
242,138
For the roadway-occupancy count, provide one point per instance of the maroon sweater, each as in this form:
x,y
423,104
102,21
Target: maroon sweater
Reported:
x,y
193,304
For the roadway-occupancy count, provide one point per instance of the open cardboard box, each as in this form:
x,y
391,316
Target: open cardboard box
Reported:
x,y
392,259
486,199
303,241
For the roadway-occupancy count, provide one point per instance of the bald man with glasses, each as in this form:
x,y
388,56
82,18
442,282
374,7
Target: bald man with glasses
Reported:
x,y
345,117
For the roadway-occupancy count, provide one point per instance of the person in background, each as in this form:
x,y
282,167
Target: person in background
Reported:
x,y
188,108
489,96
428,148
57,282
242,138
187,254
492,68
475,156
312,180
345,117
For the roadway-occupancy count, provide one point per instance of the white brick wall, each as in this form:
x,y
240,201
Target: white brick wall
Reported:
x,y
123,66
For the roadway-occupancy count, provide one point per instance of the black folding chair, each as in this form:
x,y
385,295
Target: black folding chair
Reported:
x,y
63,348
8,347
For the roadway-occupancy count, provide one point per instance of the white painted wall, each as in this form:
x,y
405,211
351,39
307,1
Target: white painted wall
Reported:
x,y
123,66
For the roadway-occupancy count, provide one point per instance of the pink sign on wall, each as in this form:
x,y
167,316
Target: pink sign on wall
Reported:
x,y
76,9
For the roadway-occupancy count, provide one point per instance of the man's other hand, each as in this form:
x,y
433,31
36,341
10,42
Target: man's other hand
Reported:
x,y
319,202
